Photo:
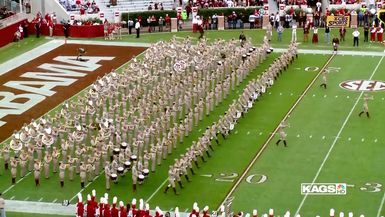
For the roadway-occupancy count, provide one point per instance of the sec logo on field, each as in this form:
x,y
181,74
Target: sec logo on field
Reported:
x,y
363,85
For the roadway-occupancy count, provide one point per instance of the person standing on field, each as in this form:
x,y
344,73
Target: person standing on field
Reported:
x,y
2,206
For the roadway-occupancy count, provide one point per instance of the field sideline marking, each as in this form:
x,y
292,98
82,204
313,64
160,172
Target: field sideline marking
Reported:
x,y
240,178
381,205
58,106
338,135
156,191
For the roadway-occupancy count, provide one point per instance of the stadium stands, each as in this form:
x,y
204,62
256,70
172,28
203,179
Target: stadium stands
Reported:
x,y
135,5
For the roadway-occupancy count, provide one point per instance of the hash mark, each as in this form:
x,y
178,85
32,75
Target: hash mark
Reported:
x,y
336,96
347,97
199,130
311,136
297,135
171,209
313,95
260,133
40,199
236,132
325,96
186,210
269,93
280,94
349,138
12,197
323,137
54,200
291,94
248,132
362,139
375,140
26,198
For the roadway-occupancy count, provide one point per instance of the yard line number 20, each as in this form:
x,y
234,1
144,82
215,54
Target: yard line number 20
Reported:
x,y
251,179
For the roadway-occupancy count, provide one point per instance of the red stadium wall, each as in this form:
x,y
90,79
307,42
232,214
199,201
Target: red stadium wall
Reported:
x,y
7,33
75,31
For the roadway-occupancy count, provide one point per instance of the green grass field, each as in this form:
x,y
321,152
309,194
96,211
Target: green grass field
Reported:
x,y
327,143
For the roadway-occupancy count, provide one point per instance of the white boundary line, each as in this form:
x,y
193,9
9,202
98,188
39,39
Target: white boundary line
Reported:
x,y
381,205
71,98
156,191
275,131
336,138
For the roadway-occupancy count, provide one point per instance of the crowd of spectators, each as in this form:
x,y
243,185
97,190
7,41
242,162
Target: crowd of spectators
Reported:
x,y
4,13
83,6
155,6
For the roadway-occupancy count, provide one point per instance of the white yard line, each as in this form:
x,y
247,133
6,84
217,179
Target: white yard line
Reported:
x,y
156,191
274,132
88,184
381,205
336,138
347,52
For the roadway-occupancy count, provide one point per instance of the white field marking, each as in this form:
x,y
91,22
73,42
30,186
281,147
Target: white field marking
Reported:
x,y
347,97
336,96
349,138
26,198
207,175
59,43
381,205
12,186
156,191
313,95
70,99
12,198
269,93
199,130
171,209
280,94
325,96
260,133
311,136
382,98
350,185
186,210
40,199
375,140
54,200
297,135
323,137
335,140
236,132
362,139
291,94
248,132
88,184
242,176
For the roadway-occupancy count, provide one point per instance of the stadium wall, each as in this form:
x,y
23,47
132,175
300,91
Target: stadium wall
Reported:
x,y
7,33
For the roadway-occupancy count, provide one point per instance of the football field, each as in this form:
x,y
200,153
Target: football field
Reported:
x,y
327,143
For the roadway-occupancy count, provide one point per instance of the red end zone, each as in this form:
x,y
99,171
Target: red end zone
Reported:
x,y
33,89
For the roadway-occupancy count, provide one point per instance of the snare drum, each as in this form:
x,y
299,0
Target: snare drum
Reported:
x,y
123,145
120,170
127,165
134,157
141,178
146,172
116,151
114,177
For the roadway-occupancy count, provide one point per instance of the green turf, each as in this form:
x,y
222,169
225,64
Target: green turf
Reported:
x,y
12,50
19,214
351,160
256,36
